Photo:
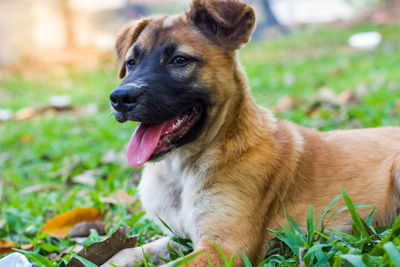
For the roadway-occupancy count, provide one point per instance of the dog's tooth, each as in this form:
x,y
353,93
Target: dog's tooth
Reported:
x,y
176,124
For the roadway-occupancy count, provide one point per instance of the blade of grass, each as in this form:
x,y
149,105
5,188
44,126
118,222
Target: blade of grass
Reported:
x,y
232,258
349,237
246,260
354,215
86,262
346,208
393,253
187,258
355,260
221,254
310,227
327,209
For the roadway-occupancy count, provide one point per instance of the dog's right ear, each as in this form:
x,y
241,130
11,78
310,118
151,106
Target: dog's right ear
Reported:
x,y
229,23
126,38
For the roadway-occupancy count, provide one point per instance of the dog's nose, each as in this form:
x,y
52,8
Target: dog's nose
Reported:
x,y
124,98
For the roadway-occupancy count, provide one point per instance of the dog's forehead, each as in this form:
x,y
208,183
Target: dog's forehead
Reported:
x,y
173,29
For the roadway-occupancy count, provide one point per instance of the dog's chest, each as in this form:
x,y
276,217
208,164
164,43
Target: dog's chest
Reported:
x,y
172,193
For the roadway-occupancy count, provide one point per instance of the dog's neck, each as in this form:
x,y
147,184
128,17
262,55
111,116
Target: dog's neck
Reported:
x,y
245,123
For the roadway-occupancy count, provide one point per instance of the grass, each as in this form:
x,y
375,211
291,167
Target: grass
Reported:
x,y
33,151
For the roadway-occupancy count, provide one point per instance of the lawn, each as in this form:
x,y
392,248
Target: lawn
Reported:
x,y
42,158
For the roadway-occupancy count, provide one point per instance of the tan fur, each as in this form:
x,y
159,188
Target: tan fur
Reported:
x,y
245,161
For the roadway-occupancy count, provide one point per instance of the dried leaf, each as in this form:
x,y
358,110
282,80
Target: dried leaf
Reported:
x,y
348,97
327,95
396,109
87,177
60,224
27,246
285,103
109,200
83,228
27,138
314,109
37,188
100,252
6,246
25,113
119,197
124,198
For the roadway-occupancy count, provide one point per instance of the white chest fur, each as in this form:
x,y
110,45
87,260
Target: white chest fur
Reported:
x,y
171,190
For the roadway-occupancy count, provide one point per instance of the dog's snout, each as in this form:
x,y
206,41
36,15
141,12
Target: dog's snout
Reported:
x,y
124,98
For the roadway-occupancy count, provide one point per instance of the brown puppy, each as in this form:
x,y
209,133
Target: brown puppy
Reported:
x,y
220,163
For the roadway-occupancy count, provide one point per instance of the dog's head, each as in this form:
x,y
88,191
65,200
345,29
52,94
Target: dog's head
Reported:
x,y
177,71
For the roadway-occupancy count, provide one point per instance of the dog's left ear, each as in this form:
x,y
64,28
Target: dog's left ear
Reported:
x,y
230,23
127,36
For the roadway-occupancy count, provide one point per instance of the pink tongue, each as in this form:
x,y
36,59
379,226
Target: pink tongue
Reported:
x,y
143,143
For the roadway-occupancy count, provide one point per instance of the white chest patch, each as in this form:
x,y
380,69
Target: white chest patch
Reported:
x,y
171,191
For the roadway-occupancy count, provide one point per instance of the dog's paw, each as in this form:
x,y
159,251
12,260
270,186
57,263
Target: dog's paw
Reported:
x,y
125,258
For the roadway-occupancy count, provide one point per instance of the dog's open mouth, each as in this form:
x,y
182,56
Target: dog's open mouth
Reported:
x,y
153,140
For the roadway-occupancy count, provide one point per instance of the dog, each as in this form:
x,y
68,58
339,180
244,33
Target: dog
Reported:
x,y
221,167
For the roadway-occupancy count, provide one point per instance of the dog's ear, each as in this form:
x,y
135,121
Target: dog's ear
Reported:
x,y
230,23
128,35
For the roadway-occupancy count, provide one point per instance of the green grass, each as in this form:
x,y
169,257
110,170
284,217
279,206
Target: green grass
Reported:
x,y
31,151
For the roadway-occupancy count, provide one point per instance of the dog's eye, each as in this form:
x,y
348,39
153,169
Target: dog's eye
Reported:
x,y
179,60
131,62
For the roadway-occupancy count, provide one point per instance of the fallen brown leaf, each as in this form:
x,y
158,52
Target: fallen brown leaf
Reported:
x,y
25,114
6,246
27,246
328,96
314,109
37,188
100,252
60,224
124,198
285,103
119,197
88,177
397,106
83,228
348,97
27,138
52,109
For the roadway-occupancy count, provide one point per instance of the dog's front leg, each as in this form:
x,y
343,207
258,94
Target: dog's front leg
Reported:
x,y
127,257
